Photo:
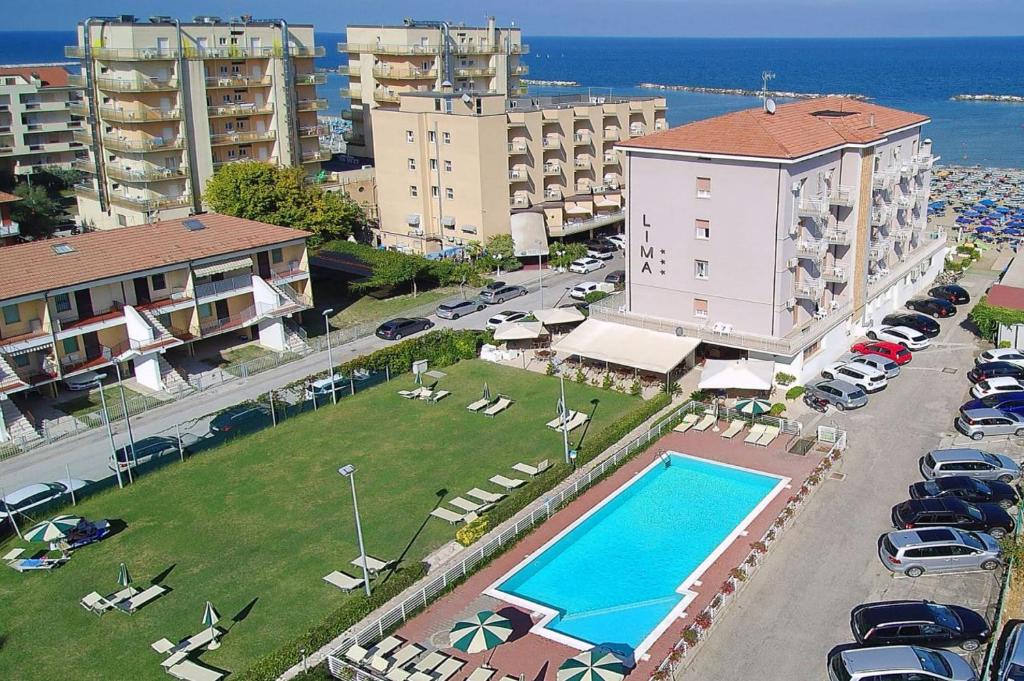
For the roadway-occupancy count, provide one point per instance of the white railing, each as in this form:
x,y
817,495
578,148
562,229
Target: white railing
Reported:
x,y
839,236
808,288
229,285
516,147
815,207
813,249
880,215
841,195
835,275
883,179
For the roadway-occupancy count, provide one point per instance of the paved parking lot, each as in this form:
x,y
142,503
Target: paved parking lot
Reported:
x,y
798,606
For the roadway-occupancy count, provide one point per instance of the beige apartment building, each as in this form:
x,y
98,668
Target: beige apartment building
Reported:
x,y
36,120
385,62
167,103
454,167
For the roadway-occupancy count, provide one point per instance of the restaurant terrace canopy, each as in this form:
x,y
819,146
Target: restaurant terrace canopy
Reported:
x,y
628,346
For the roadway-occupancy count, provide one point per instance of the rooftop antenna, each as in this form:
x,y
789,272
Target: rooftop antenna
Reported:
x,y
765,77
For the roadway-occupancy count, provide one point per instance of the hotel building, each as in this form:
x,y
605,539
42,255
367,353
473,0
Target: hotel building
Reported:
x,y
36,121
167,103
385,62
455,167
778,233
84,302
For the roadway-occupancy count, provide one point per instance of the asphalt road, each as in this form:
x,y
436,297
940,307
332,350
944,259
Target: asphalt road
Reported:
x,y
87,455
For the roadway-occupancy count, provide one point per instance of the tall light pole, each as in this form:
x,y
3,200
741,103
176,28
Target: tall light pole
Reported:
x,y
330,357
540,274
349,472
127,417
110,433
564,410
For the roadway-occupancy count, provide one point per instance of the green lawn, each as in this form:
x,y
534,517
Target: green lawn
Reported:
x,y
370,309
254,525
88,402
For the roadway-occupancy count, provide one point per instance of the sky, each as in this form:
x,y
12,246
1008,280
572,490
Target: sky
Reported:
x,y
651,18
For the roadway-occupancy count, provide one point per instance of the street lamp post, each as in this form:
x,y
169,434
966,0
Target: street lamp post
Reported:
x,y
540,273
330,357
349,472
564,411
127,418
110,433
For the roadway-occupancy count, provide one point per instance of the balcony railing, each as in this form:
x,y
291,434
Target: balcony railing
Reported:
x,y
190,52
311,79
552,169
905,201
611,134
924,162
637,130
811,249
883,179
144,144
880,215
581,138
879,248
246,137
841,195
516,175
137,84
551,143
148,204
122,53
371,48
394,73
389,96
581,163
518,201
835,275
229,286
354,138
809,288
907,170
611,157
837,236
138,115
816,207
237,80
517,147
311,131
316,156
146,173
476,72
237,320
311,104
241,109
553,194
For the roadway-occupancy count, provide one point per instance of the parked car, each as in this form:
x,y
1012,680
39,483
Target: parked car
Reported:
x,y
957,295
978,423
146,450
31,496
974,463
323,388
585,265
898,663
602,250
503,317
580,291
934,307
865,377
839,394
968,489
998,385
900,335
87,380
492,296
495,285
1011,355
926,326
888,367
616,277
949,512
241,418
987,370
454,309
918,623
1011,664
1006,401
618,240
401,327
893,351
938,549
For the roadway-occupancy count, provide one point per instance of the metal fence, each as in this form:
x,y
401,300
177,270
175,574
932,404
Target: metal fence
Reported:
x,y
1004,588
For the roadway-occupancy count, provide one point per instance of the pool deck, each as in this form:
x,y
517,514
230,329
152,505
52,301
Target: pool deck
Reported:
x,y
535,658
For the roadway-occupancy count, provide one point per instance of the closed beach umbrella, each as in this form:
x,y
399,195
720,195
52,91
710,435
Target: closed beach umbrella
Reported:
x,y
753,407
593,665
52,530
482,631
210,618
123,578
487,392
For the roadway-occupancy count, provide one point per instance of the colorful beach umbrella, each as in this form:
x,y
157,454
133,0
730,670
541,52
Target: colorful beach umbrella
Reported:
x,y
483,631
54,529
594,665
984,229
123,577
753,407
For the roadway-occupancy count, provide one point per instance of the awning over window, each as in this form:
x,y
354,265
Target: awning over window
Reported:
x,y
605,202
223,266
529,235
627,346
737,374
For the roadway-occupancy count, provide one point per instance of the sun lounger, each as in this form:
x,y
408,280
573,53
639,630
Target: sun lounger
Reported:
x,y
31,564
174,658
532,470
756,431
501,405
437,396
508,483
133,604
163,646
481,674
576,421
479,404
770,433
688,422
404,656
556,423
13,554
430,662
399,674
391,643
192,643
356,653
421,676
705,423
467,505
448,669
343,581
187,670
484,495
734,429
412,394
449,516
373,566
95,603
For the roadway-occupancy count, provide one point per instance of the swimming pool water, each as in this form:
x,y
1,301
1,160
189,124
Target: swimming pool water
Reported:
x,y
615,576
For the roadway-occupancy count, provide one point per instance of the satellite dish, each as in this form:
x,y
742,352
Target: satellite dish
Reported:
x,y
680,331
769,105
466,98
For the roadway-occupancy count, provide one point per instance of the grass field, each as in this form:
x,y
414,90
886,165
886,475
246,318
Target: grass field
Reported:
x,y
254,526
89,402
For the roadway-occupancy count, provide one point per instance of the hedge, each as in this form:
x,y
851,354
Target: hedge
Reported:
x,y
988,317
618,430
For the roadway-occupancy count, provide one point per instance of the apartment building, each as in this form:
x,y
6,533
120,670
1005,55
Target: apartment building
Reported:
x,y
9,229
167,103
779,233
454,168
36,119
84,302
386,61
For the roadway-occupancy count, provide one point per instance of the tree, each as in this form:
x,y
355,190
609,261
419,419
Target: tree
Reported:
x,y
391,268
561,254
37,213
501,246
244,190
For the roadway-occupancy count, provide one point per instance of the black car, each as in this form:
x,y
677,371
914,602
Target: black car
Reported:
x,y
400,327
957,295
949,512
987,370
926,326
243,418
616,277
935,307
918,623
495,285
146,449
968,489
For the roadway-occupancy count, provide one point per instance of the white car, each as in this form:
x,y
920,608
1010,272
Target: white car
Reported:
x,y
503,317
900,335
890,368
995,386
1011,355
30,496
83,381
868,378
580,291
585,265
618,239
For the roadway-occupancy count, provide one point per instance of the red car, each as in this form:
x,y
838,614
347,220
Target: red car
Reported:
x,y
896,353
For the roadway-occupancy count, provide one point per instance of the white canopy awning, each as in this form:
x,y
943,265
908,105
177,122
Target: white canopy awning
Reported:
x,y
578,210
628,346
211,269
740,374
529,235
558,315
519,331
605,202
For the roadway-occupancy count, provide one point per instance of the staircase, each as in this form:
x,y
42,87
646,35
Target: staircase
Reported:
x,y
173,381
18,426
159,330
295,337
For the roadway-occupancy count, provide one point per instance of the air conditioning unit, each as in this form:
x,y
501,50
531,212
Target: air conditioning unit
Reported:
x,y
791,303
794,229
792,263
412,219
795,188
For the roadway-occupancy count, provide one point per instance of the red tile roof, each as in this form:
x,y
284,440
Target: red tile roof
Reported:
x,y
7,198
793,131
1001,295
35,267
51,76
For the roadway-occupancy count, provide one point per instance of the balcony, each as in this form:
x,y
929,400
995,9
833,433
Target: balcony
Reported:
x,y
237,80
238,320
122,53
811,249
246,137
924,162
137,84
55,126
241,283
883,180
809,288
389,72
517,147
814,207
552,194
902,233
610,157
242,159
581,138
661,124
354,138
841,195
907,170
52,105
240,109
880,216
477,72
401,49
316,156
516,175
388,96
142,145
311,79
581,163
637,130
150,204
520,70
835,275
311,104
146,173
138,115
904,201
879,248
519,201
584,224
837,236
551,169
311,131
9,228
611,134
552,143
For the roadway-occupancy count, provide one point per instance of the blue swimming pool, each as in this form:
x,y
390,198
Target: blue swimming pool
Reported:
x,y
620,572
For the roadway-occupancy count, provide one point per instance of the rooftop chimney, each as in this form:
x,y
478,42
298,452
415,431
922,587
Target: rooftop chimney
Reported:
x,y
871,120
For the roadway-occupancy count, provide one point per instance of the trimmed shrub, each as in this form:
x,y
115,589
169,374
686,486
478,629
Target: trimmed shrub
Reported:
x,y
794,392
784,379
989,317
471,532
611,434
1005,344
439,347
636,388
777,409
595,296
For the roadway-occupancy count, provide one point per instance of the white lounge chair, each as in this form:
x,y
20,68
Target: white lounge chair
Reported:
x,y
399,674
187,670
163,646
532,470
556,423
14,561
437,396
430,662
356,653
734,429
343,581
479,404
391,643
133,604
404,656
501,405
421,676
578,420
706,422
484,495
688,422
481,674
756,431
95,603
411,394
448,669
508,483
373,566
448,516
770,433
468,506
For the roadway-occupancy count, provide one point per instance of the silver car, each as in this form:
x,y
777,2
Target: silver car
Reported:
x,y
840,394
493,296
1011,667
454,309
888,367
899,663
977,423
973,463
938,549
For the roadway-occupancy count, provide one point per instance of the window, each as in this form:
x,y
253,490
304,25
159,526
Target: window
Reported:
x,y
446,137
412,164
206,310
69,345
433,164
22,360
703,187
703,229
447,166
435,191
812,349
62,302
11,315
409,137
700,308
700,269
449,193
413,191
159,281
431,136
276,255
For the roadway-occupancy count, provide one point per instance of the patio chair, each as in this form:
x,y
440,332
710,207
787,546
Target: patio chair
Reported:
x,y
468,506
734,429
532,470
689,421
187,670
484,495
95,603
706,422
411,394
373,566
448,669
481,674
437,396
501,405
508,483
136,602
448,516
770,433
163,646
356,654
343,581
756,431
556,423
479,404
